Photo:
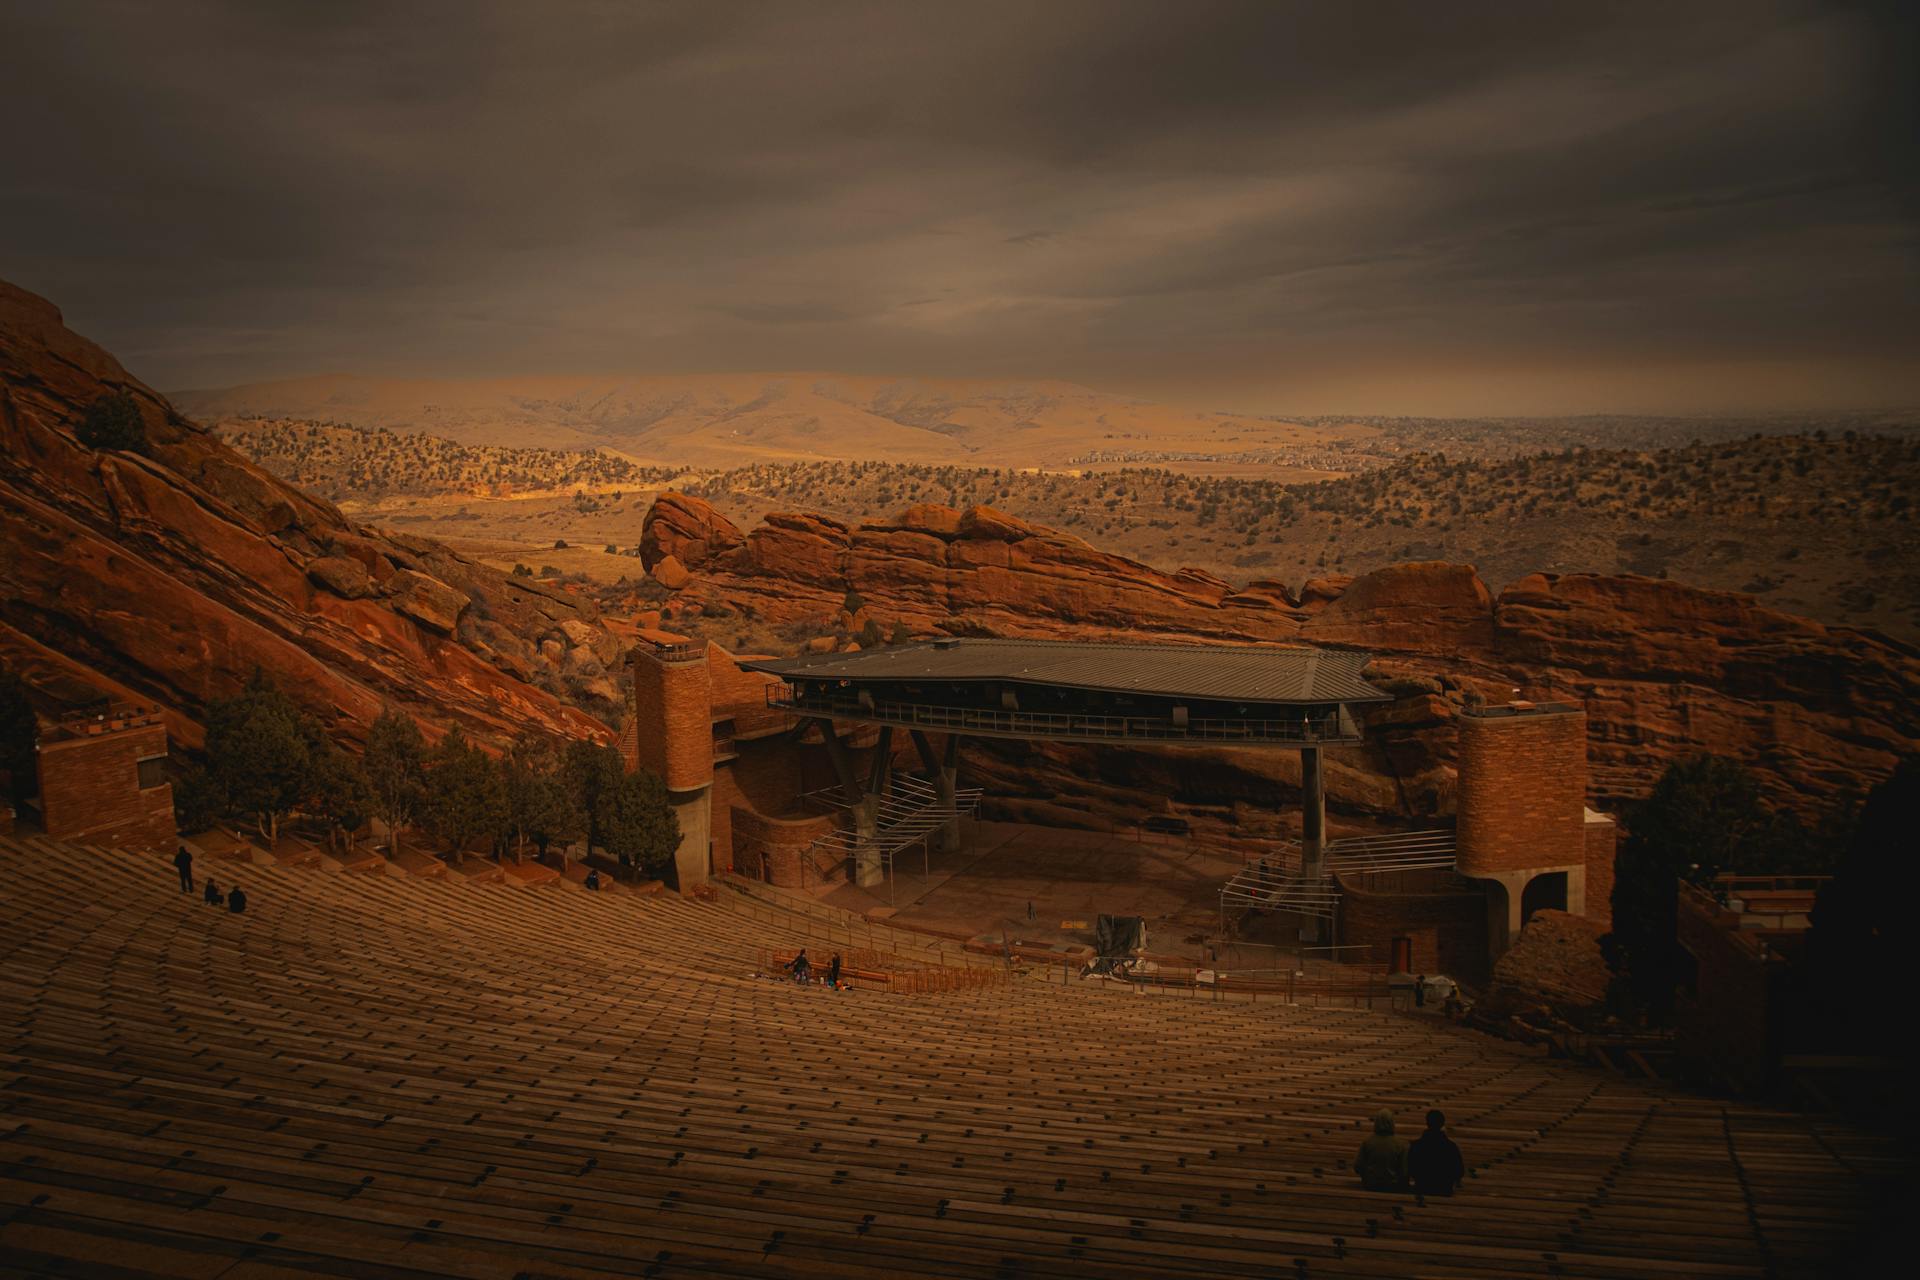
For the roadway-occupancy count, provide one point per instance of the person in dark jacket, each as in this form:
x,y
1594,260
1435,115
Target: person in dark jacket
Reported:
x,y
236,901
833,972
593,878
1434,1161
1382,1162
213,897
183,862
800,966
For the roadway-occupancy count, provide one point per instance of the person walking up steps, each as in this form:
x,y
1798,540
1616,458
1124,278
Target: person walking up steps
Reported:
x,y
183,863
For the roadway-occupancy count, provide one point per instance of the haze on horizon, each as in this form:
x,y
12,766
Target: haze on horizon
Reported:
x,y
1389,208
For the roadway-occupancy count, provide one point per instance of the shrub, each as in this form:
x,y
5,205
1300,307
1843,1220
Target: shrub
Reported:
x,y
113,422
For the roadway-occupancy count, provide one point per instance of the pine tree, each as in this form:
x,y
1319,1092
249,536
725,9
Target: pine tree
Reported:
x,y
395,765
342,793
466,800
260,752
541,805
113,422
592,771
639,824
1703,817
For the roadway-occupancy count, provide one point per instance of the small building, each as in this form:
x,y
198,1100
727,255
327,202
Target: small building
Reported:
x,y
1524,841
1742,935
103,779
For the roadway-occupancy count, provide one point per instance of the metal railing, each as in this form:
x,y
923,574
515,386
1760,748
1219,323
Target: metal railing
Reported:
x,y
821,924
690,652
1326,727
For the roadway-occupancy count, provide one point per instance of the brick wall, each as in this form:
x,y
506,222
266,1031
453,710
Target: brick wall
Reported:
x,y
90,788
742,695
1522,791
780,840
1603,836
1723,1028
1444,916
673,720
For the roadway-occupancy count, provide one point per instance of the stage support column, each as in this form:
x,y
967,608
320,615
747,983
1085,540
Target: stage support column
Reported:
x,y
1313,836
862,807
945,775
949,787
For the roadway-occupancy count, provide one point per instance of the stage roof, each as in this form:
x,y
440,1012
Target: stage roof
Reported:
x,y
1227,673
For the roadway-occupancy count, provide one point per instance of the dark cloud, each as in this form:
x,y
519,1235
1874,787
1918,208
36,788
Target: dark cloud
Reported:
x,y
1393,206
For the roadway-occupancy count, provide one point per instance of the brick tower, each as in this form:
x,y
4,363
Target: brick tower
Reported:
x,y
673,736
103,780
1522,828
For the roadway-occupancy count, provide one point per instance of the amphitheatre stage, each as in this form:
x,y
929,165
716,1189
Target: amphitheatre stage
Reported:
x,y
1070,877
384,1076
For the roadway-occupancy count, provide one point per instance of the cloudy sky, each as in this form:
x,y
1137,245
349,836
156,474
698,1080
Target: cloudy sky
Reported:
x,y
1273,207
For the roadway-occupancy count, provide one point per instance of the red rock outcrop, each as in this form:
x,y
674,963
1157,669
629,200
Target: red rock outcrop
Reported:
x,y
169,575
686,528
1663,670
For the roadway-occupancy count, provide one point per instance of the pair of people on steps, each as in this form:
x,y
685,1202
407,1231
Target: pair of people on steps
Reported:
x,y
1431,1164
802,969
235,901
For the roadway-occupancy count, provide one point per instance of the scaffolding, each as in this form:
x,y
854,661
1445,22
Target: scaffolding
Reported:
x,y
910,812
1282,880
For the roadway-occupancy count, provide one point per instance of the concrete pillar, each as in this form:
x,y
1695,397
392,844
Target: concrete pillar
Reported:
x,y
1313,809
867,869
944,770
948,838
864,808
692,861
1313,834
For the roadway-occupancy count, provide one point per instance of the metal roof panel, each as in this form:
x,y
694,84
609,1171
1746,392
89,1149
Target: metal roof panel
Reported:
x,y
1246,673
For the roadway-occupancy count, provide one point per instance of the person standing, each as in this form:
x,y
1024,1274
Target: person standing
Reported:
x,y
183,863
833,972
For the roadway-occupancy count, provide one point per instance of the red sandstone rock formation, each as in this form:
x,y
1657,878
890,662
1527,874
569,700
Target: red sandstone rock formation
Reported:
x,y
168,577
1664,670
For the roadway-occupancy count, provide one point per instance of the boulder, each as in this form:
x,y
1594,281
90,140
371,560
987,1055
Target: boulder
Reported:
x,y
670,573
930,517
1427,607
988,523
686,528
344,577
428,601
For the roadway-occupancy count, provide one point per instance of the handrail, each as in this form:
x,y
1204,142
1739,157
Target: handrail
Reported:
x,y
987,721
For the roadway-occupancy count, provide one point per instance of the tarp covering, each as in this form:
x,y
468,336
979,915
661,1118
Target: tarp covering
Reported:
x,y
1117,938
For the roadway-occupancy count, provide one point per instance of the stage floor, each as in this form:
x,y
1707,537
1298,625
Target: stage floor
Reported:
x,y
1047,885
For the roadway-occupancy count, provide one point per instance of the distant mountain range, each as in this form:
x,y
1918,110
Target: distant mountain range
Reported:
x,y
724,420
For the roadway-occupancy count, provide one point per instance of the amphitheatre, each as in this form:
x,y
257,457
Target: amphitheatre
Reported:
x,y
408,1059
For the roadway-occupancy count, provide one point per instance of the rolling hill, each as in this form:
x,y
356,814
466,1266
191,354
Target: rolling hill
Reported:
x,y
724,420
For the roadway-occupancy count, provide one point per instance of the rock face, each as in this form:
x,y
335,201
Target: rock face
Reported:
x,y
687,529
1663,670
169,576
